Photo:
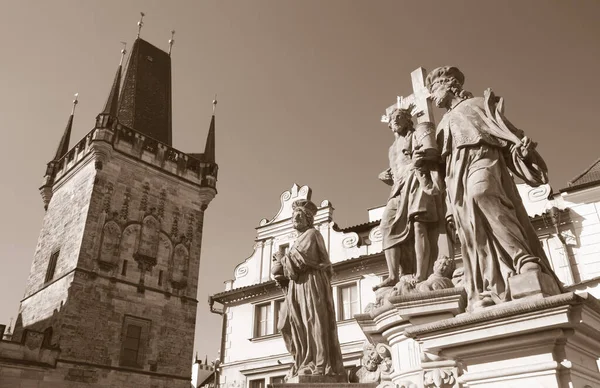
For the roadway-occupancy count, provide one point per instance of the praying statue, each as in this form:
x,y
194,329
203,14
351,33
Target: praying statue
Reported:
x,y
480,149
413,222
307,322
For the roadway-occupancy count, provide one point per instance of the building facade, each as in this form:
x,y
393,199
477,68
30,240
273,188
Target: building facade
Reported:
x,y
111,296
253,353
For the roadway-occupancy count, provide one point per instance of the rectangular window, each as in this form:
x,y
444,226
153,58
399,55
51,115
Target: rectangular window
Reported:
x,y
263,317
124,269
259,383
277,379
160,275
131,345
134,341
51,266
348,301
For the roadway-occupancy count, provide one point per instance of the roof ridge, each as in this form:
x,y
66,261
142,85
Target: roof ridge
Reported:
x,y
572,181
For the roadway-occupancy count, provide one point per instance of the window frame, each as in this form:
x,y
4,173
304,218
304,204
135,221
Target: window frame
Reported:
x,y
339,310
143,341
51,268
264,382
272,321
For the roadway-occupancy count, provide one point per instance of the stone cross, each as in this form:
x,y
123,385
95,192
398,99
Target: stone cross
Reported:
x,y
423,107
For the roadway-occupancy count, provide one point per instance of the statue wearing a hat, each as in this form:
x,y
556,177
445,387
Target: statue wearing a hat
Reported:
x,y
307,320
480,149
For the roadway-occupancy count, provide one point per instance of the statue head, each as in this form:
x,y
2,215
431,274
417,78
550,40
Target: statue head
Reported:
x,y
303,215
400,119
444,83
371,358
444,266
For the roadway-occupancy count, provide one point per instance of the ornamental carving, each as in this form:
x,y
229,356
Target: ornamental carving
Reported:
x,y
376,365
439,378
180,267
109,248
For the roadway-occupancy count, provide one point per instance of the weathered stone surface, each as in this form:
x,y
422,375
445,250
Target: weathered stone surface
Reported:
x,y
307,321
531,285
412,224
322,385
102,220
482,151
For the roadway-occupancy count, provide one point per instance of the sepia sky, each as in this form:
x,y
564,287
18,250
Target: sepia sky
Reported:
x,y
301,88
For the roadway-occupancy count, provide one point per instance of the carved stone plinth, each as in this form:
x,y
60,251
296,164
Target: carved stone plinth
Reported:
x,y
316,379
534,284
546,342
387,324
322,385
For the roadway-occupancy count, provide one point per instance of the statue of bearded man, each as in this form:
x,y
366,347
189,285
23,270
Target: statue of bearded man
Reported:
x,y
307,322
480,149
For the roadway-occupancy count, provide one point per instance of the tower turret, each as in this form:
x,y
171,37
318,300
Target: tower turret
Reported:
x,y
109,113
61,150
114,278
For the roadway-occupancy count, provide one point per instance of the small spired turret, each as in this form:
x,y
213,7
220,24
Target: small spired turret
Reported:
x,y
61,150
108,116
208,160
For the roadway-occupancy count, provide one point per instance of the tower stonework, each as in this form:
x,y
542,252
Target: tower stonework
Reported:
x,y
111,295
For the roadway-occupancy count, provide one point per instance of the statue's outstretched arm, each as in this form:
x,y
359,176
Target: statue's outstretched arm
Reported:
x,y
386,177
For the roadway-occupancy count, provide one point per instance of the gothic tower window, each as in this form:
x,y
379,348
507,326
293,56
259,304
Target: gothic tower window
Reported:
x,y
51,266
134,341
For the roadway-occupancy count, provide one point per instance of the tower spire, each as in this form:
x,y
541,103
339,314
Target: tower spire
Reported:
x,y
112,102
63,145
140,24
171,41
209,150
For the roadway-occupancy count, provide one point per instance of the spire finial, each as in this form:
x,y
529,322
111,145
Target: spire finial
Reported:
x,y
215,104
140,23
171,41
123,52
75,102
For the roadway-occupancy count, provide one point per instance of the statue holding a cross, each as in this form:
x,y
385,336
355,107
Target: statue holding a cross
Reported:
x,y
470,159
412,223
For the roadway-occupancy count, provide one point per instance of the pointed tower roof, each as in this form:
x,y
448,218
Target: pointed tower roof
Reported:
x,y
209,149
112,102
145,101
63,145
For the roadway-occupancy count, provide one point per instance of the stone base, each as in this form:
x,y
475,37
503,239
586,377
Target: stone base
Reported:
x,y
550,342
387,324
533,284
322,385
317,379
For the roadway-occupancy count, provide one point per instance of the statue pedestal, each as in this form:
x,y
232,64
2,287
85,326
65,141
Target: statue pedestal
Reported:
x,y
388,323
546,342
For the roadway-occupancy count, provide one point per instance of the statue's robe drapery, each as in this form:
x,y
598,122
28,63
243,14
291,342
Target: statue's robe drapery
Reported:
x,y
480,147
308,323
407,201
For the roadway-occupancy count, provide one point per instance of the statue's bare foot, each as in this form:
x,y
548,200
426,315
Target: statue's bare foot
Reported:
x,y
485,301
389,282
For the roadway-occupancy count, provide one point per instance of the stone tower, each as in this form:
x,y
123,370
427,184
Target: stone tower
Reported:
x,y
112,288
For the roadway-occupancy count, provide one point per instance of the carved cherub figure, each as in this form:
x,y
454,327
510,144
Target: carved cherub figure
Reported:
x,y
440,279
376,365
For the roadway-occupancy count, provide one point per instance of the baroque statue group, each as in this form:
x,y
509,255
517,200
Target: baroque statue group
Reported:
x,y
451,184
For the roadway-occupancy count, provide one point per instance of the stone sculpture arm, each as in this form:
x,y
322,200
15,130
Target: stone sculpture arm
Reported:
x,y
386,177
